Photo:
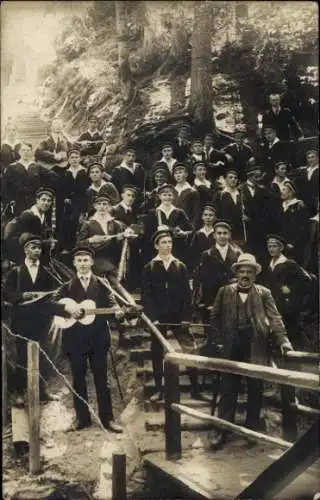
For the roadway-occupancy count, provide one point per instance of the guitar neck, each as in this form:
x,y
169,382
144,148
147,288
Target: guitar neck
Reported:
x,y
100,310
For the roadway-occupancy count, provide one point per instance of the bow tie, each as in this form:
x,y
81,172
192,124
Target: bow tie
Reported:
x,y
243,290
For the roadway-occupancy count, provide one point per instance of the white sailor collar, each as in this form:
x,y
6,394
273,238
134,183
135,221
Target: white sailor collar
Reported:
x,y
184,187
94,188
280,260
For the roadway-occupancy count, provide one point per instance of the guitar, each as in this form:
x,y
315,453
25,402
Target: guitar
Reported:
x,y
90,311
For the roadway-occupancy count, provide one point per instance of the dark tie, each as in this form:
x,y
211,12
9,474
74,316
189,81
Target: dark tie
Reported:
x,y
85,282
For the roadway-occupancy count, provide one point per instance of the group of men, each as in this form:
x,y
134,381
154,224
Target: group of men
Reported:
x,y
228,235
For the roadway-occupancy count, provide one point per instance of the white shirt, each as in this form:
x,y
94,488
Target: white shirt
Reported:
x,y
233,193
252,189
206,231
287,203
169,163
205,182
280,183
222,250
131,169
84,279
165,210
310,171
279,260
33,268
103,221
270,144
34,209
74,171
243,296
25,165
197,157
126,207
97,189
182,187
166,262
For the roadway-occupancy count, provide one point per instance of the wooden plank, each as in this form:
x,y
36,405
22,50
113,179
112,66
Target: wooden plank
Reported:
x,y
172,419
34,407
224,424
287,468
303,356
119,487
276,375
4,387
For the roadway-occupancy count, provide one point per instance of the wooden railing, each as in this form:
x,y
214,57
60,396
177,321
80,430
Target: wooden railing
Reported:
x,y
173,408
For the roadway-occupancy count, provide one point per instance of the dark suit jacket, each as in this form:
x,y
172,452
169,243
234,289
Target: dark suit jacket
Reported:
x,y
269,156
181,151
9,155
165,293
214,272
121,176
82,338
295,227
288,274
108,188
309,189
30,320
27,222
47,148
91,149
189,201
285,123
240,155
107,255
228,209
265,320
263,212
20,185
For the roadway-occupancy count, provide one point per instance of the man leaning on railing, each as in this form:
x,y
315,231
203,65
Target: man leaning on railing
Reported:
x,y
243,316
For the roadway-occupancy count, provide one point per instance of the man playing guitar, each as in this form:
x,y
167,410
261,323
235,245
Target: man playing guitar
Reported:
x,y
88,342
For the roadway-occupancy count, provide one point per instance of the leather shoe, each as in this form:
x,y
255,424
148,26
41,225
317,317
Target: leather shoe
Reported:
x,y
78,426
156,397
218,442
113,427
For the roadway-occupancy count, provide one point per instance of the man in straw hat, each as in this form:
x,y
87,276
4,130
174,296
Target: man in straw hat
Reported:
x,y
243,316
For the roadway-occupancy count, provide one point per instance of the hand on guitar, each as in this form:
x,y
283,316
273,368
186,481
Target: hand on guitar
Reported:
x,y
119,313
97,239
28,295
74,311
62,155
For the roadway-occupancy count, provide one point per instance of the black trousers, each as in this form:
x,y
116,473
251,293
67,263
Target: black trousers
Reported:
x,y
157,355
97,358
230,386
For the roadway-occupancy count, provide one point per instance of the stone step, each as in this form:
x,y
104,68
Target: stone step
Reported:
x,y
156,422
157,406
140,355
149,388
135,338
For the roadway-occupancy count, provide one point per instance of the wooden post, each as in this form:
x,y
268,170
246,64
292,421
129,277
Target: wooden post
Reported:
x,y
119,476
4,378
34,407
172,424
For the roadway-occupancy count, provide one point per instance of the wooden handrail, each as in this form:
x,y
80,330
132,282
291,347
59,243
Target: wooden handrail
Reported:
x,y
229,426
280,376
303,356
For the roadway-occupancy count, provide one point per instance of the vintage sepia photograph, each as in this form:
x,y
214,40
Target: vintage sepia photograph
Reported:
x,y
159,239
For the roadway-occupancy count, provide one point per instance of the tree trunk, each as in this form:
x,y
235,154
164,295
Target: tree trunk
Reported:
x,y
123,50
201,99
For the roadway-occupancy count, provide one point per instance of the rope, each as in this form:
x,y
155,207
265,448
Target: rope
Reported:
x,y
66,381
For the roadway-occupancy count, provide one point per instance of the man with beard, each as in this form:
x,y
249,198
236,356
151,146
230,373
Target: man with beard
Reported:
x,y
240,317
